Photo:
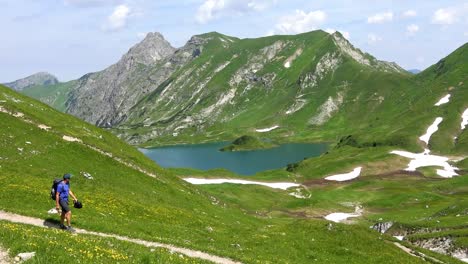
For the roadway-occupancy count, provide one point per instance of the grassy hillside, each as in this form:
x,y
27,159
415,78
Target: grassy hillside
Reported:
x,y
123,200
329,91
55,95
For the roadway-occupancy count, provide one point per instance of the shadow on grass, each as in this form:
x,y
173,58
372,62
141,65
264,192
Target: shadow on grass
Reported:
x,y
52,223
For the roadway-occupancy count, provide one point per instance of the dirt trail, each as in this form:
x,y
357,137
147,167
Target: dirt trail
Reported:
x,y
188,252
4,258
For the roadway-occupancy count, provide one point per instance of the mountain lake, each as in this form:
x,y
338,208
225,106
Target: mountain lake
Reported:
x,y
207,156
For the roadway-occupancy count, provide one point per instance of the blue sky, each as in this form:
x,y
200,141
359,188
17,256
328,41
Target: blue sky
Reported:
x,y
70,38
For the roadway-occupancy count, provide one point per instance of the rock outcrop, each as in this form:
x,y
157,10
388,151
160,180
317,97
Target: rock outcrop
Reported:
x,y
40,78
382,227
103,98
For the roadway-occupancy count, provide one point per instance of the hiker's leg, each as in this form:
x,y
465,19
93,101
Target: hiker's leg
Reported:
x,y
68,216
62,217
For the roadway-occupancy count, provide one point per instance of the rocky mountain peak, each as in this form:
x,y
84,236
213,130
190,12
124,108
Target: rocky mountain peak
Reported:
x,y
151,49
363,58
40,78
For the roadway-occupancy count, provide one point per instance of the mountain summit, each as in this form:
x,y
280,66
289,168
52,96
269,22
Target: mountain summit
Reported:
x,y
40,78
104,97
151,49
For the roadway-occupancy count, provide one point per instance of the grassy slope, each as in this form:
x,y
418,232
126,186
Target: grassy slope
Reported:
x,y
55,246
53,95
124,201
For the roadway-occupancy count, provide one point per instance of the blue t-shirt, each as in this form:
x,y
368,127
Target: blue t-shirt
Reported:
x,y
63,189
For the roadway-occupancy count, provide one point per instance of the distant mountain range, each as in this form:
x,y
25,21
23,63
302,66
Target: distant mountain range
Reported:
x,y
40,78
414,71
313,86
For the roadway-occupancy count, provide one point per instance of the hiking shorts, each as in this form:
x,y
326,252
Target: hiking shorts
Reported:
x,y
64,205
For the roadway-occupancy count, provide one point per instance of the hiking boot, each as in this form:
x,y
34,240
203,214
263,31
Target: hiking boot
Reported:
x,y
63,227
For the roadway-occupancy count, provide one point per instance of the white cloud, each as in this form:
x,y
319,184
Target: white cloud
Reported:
x,y
410,13
373,38
213,9
380,18
345,34
118,19
465,34
300,22
412,29
445,16
141,35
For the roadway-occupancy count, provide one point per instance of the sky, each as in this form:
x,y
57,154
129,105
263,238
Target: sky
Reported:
x,y
70,38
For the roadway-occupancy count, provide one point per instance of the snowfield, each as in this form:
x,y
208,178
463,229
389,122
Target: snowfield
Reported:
x,y
340,217
346,176
424,159
464,122
263,130
275,185
431,130
443,100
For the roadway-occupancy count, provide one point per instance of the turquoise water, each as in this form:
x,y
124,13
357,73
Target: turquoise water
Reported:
x,y
207,156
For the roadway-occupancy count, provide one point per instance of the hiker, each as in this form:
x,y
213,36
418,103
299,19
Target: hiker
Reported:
x,y
61,198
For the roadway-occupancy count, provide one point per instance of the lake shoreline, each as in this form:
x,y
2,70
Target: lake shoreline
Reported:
x,y
207,156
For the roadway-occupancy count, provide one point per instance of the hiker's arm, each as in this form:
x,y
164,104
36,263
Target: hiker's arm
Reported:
x,y
57,198
72,195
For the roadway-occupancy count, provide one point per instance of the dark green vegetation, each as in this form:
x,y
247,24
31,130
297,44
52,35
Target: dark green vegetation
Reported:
x,y
245,143
125,201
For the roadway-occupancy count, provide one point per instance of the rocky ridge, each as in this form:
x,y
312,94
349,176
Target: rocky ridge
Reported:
x,y
40,78
103,98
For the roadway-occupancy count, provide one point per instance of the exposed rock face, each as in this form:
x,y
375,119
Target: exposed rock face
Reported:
x,y
327,109
443,245
364,58
382,227
103,98
41,78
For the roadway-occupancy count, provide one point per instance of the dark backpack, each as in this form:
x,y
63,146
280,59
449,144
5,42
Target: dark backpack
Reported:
x,y
53,190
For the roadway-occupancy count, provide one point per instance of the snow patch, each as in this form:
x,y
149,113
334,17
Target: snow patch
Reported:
x,y
431,130
71,139
424,159
443,100
263,130
287,64
399,237
340,217
464,122
346,176
43,127
275,185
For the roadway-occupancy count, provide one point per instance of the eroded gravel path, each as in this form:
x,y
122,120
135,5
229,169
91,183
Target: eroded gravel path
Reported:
x,y
41,223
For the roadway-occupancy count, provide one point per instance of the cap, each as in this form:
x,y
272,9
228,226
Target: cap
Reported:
x,y
67,176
